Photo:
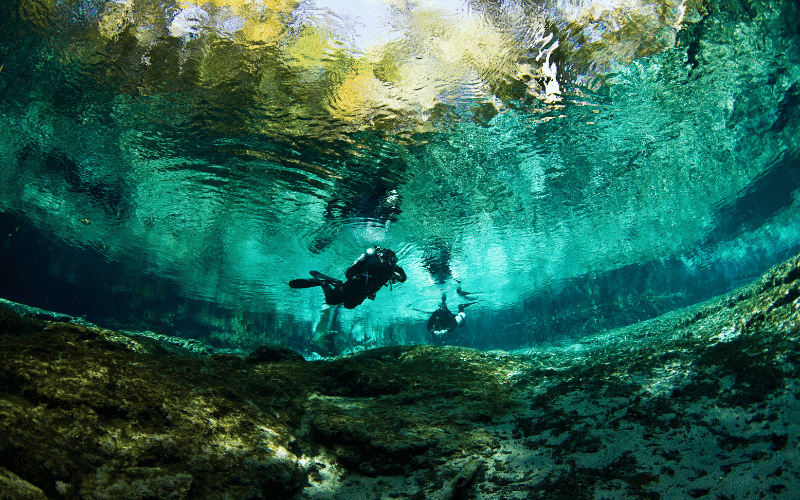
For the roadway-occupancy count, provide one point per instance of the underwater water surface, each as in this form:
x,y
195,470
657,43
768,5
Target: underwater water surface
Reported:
x,y
575,166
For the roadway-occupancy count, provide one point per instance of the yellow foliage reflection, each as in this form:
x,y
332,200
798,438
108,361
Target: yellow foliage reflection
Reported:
x,y
298,72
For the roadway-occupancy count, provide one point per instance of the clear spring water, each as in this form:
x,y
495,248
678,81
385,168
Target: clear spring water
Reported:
x,y
578,166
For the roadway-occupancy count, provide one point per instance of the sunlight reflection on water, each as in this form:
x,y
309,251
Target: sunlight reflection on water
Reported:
x,y
514,149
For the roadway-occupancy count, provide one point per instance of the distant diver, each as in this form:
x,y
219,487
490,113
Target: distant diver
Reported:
x,y
372,270
443,322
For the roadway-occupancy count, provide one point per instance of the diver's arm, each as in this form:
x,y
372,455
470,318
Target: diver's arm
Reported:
x,y
399,274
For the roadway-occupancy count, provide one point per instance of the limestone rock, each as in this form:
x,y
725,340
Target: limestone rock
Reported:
x,y
12,487
701,402
273,354
136,483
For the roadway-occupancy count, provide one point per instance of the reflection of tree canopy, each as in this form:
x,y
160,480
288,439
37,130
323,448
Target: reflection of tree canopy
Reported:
x,y
287,73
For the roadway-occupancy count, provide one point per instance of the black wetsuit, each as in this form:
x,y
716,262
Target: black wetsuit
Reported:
x,y
442,321
369,273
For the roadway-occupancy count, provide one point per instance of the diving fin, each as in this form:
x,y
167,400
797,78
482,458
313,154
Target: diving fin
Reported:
x,y
322,278
304,283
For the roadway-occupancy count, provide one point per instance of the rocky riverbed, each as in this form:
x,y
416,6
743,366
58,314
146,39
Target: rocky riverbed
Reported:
x,y
700,403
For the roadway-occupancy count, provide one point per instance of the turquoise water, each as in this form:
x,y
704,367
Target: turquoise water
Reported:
x,y
171,166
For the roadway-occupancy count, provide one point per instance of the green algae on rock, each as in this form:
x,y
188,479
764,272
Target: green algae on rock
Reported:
x,y
109,416
698,402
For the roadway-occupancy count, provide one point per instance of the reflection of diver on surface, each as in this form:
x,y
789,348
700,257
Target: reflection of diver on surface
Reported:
x,y
436,260
372,270
326,339
465,294
373,197
442,322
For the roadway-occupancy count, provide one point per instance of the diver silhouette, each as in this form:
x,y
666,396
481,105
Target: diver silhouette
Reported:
x,y
373,269
467,295
443,322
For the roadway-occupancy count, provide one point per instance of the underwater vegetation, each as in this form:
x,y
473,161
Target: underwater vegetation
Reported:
x,y
612,186
701,402
170,166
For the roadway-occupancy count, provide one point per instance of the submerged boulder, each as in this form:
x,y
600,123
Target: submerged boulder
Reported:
x,y
15,488
106,416
273,354
698,402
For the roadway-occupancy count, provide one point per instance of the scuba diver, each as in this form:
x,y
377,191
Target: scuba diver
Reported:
x,y
373,269
443,322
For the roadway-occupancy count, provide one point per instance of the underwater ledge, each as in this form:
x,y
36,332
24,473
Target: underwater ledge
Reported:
x,y
698,403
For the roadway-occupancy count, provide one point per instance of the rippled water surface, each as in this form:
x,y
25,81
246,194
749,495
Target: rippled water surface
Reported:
x,y
577,166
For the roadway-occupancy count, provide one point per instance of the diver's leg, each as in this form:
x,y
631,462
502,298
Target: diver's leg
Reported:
x,y
304,283
323,278
461,314
333,293
353,301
